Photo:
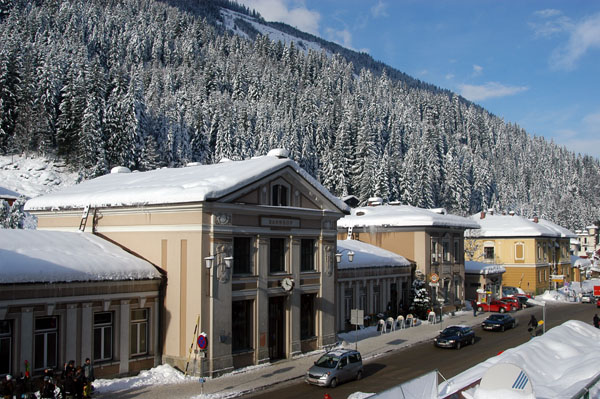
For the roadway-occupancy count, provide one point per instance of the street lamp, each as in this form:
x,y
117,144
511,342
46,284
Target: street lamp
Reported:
x,y
223,265
338,255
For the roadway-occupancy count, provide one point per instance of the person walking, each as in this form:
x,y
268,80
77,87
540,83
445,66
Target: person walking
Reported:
x,y
596,321
533,324
88,373
474,306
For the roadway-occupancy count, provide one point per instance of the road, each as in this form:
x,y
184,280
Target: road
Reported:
x,y
388,371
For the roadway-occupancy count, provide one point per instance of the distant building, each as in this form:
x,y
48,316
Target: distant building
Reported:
x,y
531,251
8,195
589,241
369,278
248,248
68,296
433,240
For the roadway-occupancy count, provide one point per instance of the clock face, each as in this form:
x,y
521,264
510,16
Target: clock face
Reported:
x,y
287,284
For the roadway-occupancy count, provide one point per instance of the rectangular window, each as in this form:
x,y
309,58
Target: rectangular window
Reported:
x,y
45,342
434,250
362,298
457,258
277,255
446,251
488,253
376,299
103,336
242,255
5,346
307,255
307,316
241,325
348,302
138,338
279,195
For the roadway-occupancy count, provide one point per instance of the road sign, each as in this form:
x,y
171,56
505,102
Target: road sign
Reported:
x,y
202,341
357,317
597,290
434,278
434,284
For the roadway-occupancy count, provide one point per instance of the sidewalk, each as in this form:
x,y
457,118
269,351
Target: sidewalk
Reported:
x,y
238,383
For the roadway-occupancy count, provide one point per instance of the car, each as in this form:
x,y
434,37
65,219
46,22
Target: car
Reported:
x,y
455,337
509,291
516,304
524,301
335,367
586,298
499,321
494,306
598,303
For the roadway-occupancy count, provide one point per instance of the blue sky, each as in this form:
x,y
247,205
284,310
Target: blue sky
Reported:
x,y
534,63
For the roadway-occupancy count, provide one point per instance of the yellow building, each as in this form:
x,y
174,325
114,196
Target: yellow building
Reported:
x,y
535,253
247,248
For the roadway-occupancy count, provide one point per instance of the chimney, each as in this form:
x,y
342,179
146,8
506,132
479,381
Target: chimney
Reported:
x,y
511,213
482,215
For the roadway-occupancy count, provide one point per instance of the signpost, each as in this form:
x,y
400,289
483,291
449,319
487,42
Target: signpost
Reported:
x,y
434,282
357,317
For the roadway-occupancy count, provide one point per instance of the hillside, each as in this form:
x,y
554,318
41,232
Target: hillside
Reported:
x,y
146,84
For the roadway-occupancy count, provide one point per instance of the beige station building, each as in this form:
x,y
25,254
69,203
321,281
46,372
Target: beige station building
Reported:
x,y
247,249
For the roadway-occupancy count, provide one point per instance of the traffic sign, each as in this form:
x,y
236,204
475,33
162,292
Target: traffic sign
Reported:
x,y
434,278
202,341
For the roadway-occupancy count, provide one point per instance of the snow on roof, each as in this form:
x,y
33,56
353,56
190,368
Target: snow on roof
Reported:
x,y
508,226
402,216
367,255
38,256
564,232
474,267
576,261
9,194
172,185
558,363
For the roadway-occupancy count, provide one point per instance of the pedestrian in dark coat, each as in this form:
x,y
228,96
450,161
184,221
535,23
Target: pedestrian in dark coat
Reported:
x,y
88,373
8,387
596,321
533,325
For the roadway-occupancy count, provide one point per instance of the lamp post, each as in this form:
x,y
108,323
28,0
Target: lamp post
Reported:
x,y
357,313
223,267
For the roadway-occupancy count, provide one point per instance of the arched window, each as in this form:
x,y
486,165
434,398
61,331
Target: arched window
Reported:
x,y
279,195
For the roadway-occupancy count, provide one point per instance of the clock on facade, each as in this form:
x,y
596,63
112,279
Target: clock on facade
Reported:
x,y
287,284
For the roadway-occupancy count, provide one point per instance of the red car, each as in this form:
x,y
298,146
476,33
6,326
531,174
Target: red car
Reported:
x,y
494,306
516,304
598,303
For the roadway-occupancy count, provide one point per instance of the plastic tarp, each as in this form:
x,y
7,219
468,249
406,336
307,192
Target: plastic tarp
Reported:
x,y
423,387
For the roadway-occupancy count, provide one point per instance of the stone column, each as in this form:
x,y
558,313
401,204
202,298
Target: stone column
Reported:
x,y
124,337
26,339
71,332
87,331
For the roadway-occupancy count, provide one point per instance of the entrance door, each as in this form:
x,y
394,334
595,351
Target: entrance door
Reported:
x,y
277,327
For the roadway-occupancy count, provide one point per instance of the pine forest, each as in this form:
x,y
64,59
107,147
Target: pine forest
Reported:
x,y
148,84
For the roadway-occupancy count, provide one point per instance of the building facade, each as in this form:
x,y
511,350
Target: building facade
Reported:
x,y
69,296
370,279
589,241
533,253
247,247
432,239
483,281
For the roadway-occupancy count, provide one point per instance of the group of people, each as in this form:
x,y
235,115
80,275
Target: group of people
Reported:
x,y
74,382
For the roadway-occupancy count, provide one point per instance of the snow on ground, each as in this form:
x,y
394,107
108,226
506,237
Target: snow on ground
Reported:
x,y
33,176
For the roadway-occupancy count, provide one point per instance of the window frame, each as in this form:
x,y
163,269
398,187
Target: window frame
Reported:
x,y
243,253
307,254
138,325
282,267
308,316
46,333
522,245
103,327
6,339
242,339
280,193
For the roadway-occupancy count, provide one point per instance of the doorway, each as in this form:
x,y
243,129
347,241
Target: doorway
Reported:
x,y
277,327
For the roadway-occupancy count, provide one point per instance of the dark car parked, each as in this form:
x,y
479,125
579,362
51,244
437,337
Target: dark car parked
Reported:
x,y
455,337
499,321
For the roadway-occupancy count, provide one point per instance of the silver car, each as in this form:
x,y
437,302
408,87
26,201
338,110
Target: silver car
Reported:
x,y
336,367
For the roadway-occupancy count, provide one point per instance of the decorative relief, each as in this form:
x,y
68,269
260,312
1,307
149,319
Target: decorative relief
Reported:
x,y
223,250
222,219
329,259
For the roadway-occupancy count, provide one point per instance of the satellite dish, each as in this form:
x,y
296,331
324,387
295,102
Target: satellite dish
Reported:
x,y
504,377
